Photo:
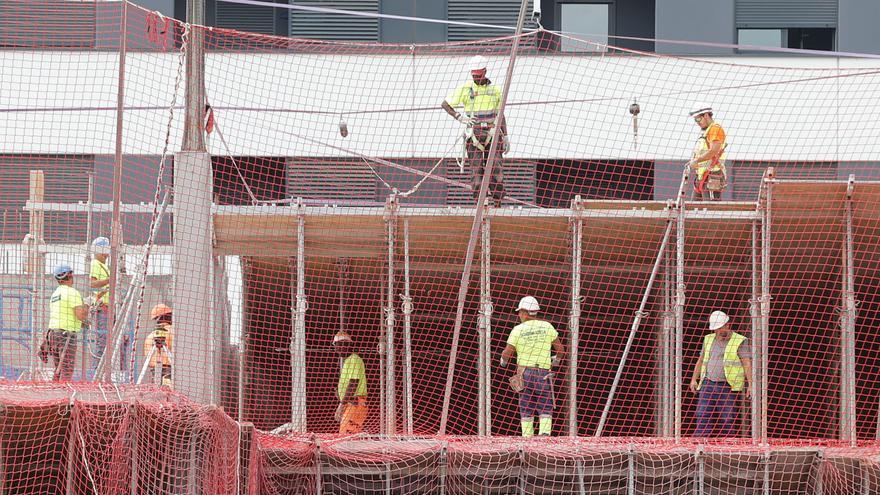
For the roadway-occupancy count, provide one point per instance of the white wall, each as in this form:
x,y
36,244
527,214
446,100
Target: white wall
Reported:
x,y
776,109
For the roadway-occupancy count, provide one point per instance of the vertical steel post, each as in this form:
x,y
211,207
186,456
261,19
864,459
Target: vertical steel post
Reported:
x,y
407,308
848,327
390,361
86,355
574,322
679,304
666,383
754,313
485,324
299,305
765,301
116,221
36,266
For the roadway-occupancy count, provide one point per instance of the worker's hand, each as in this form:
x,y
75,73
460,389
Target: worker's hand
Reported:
x,y
694,385
339,409
464,119
693,163
503,363
554,361
748,390
506,144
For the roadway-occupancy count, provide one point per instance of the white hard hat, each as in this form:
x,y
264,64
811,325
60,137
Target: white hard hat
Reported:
x,y
700,110
717,320
529,304
101,245
477,62
341,337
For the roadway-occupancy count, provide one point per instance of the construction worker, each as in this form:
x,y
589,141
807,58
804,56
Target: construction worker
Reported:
x,y
159,342
67,311
99,282
352,388
723,370
531,341
709,156
481,100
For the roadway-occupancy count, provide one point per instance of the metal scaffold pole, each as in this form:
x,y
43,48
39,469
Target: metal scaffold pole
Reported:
x,y
679,304
390,361
407,308
484,325
116,216
475,227
766,240
848,327
298,336
574,324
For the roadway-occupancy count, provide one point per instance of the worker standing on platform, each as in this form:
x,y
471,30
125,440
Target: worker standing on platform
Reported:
x,y
709,156
351,413
532,341
723,370
158,344
67,311
481,101
99,282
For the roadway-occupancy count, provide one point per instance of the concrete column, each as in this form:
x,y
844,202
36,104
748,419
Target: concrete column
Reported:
x,y
193,280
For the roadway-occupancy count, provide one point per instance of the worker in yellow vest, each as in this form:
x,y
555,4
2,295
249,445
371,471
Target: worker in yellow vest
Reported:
x,y
532,341
351,413
723,371
709,156
481,101
67,312
99,282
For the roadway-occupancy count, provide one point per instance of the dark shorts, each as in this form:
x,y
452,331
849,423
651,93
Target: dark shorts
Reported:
x,y
536,399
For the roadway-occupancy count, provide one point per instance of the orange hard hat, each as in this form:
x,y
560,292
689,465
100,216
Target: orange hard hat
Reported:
x,y
159,310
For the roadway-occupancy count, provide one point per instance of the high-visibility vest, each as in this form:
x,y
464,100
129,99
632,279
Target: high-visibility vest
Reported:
x,y
703,145
733,368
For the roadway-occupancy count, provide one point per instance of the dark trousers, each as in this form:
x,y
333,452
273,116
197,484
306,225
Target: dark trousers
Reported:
x,y
716,410
99,328
536,398
477,160
62,348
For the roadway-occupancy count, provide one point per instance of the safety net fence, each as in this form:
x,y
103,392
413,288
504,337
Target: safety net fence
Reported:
x,y
324,276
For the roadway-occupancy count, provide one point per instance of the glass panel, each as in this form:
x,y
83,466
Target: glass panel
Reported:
x,y
586,21
761,37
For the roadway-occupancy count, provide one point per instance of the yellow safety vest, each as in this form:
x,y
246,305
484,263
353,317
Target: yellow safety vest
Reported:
x,y
733,368
702,147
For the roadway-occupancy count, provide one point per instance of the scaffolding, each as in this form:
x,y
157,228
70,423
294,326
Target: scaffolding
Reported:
x,y
392,233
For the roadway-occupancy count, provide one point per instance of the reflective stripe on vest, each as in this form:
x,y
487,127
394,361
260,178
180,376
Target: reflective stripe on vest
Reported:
x,y
733,368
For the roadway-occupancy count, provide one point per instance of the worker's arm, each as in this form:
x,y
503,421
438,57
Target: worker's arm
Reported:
x,y
451,111
713,152
351,391
559,349
507,354
94,283
695,377
747,369
81,312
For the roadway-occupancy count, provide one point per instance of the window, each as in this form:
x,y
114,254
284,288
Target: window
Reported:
x,y
803,38
589,21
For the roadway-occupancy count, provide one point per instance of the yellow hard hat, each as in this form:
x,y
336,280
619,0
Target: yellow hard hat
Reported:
x,y
159,310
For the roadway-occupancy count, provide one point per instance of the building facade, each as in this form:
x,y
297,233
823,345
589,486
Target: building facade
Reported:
x,y
842,25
